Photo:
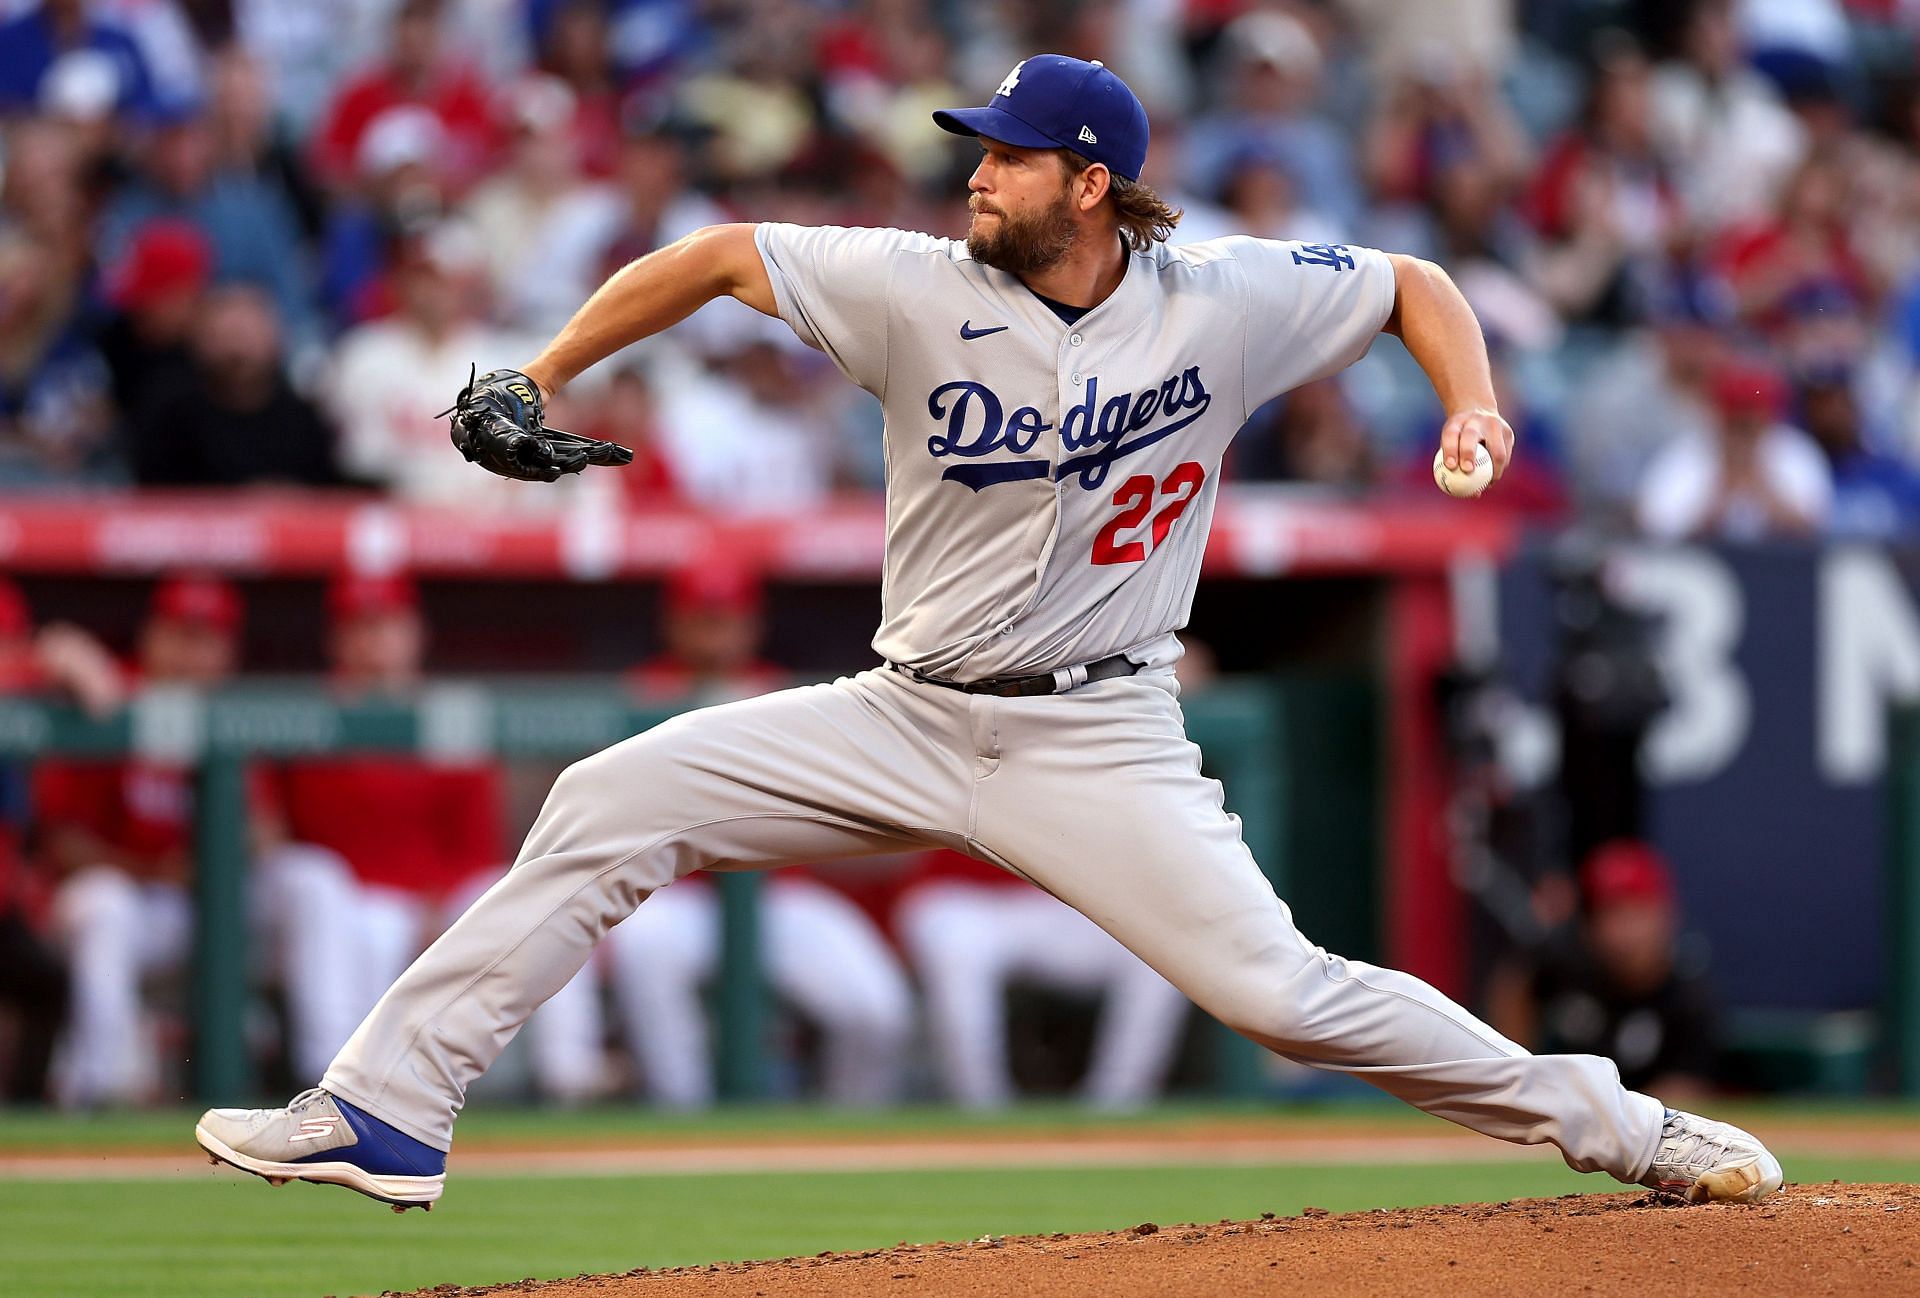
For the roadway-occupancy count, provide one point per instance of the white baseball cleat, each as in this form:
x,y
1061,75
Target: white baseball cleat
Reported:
x,y
1702,1160
323,1139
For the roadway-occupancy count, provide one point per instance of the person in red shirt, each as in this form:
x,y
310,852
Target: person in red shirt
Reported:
x,y
821,952
380,851
33,978
416,70
971,929
117,836
711,625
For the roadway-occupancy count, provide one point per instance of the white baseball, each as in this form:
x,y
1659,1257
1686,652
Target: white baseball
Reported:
x,y
1464,482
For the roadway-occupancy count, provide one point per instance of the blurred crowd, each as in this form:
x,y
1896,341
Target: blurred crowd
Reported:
x,y
261,241
900,975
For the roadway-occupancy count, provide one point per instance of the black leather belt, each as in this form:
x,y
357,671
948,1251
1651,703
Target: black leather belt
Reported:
x,y
1055,682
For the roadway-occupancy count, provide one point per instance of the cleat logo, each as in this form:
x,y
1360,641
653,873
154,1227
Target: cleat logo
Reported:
x,y
315,1128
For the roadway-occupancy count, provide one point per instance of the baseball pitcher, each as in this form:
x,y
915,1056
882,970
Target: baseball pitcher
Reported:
x,y
1059,389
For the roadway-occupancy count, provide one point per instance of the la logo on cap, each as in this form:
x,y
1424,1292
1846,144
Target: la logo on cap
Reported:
x,y
1013,79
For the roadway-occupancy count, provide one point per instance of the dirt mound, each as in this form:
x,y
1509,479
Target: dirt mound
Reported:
x,y
1807,1240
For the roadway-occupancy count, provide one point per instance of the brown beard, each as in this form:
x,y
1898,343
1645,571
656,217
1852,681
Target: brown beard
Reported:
x,y
1024,245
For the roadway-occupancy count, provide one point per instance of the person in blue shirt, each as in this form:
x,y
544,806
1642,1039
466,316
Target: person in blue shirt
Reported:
x,y
31,43
1875,496
246,217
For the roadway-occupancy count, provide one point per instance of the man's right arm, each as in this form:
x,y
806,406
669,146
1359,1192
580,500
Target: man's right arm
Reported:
x,y
654,293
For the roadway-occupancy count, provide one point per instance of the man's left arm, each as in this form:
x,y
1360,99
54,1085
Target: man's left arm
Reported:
x,y
1438,327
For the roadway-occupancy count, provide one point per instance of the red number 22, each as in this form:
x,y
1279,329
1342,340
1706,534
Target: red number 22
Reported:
x,y
1136,497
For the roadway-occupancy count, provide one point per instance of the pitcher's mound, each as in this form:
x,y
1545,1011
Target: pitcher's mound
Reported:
x,y
1806,1240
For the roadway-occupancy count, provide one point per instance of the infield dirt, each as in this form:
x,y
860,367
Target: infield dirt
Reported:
x,y
1807,1240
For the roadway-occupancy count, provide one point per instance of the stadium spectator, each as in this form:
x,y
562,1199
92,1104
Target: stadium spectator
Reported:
x,y
756,435
415,68
1476,35
1875,496
627,412
34,41
33,978
1439,114
820,952
153,295
1260,199
117,837
248,221
236,420
575,49
393,377
1602,199
376,854
46,193
1731,142
650,41
646,206
1668,366
755,103
1272,71
1801,262
1310,435
516,209
251,139
1754,477
55,415
1619,981
971,930
402,194
54,411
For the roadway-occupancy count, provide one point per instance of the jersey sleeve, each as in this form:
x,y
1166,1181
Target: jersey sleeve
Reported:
x,y
833,285
1312,310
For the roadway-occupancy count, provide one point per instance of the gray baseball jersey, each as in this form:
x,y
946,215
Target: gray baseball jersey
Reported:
x,y
1050,486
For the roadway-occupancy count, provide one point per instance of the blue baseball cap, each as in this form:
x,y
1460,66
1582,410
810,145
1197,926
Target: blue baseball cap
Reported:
x,y
1051,101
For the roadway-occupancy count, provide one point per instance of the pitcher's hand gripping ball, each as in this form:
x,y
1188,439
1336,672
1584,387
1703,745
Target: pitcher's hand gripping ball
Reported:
x,y
499,423
1464,481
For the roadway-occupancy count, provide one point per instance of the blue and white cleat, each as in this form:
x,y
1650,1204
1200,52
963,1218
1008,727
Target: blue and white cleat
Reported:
x,y
327,1141
1705,1161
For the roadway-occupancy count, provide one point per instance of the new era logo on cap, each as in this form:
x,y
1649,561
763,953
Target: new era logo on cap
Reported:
x,y
1051,101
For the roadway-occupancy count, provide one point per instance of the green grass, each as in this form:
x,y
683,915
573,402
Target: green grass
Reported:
x,y
487,1124
216,1234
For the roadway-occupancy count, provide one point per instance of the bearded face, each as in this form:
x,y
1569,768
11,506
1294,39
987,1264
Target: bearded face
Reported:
x,y
1023,243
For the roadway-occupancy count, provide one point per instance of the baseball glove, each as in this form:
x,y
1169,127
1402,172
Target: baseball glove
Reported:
x,y
499,423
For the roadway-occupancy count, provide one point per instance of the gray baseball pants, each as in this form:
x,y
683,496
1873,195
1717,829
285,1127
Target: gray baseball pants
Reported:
x,y
1095,795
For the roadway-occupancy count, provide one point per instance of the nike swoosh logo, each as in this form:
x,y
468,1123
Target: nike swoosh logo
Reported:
x,y
969,333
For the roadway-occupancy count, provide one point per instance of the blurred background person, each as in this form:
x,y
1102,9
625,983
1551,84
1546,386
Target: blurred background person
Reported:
x,y
393,376
971,931
1618,981
373,855
117,836
250,225
34,38
235,419
55,416
1875,496
1753,477
416,68
628,412
820,952
153,296
1731,139
1271,66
